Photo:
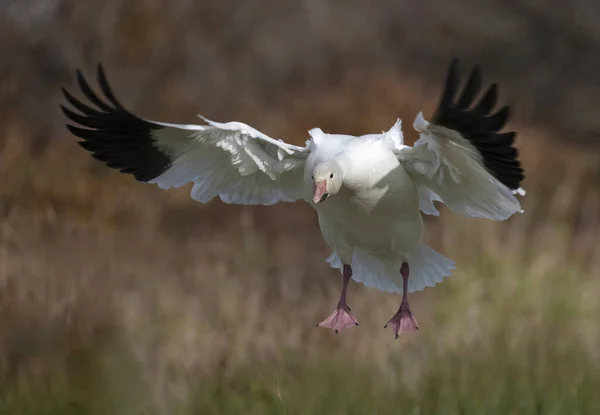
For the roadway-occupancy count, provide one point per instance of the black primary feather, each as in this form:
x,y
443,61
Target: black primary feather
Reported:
x,y
474,122
112,134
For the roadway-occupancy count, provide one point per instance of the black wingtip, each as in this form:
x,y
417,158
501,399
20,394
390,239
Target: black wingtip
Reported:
x,y
106,89
90,94
474,122
487,102
470,89
450,84
453,64
453,69
65,111
112,134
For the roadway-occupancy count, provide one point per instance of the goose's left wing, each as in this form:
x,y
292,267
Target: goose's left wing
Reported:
x,y
230,160
461,158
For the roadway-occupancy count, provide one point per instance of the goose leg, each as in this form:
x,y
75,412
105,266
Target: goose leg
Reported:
x,y
403,320
341,318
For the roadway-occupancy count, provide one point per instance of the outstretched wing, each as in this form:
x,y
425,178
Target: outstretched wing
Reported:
x,y
461,157
230,160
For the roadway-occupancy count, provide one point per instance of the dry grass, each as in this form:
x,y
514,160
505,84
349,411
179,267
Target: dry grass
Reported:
x,y
118,297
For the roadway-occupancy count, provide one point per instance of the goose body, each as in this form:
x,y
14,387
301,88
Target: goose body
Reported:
x,y
369,192
377,208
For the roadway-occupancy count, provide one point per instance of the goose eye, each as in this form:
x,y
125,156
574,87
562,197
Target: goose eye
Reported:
x,y
331,176
312,177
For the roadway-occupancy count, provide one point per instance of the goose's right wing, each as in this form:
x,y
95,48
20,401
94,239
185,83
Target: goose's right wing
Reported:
x,y
230,160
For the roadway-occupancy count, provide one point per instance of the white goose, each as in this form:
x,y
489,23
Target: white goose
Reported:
x,y
368,191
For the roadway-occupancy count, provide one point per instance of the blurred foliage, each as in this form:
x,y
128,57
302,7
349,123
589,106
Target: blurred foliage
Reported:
x,y
226,58
120,298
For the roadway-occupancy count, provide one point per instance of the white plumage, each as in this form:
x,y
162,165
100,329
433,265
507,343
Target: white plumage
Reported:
x,y
368,191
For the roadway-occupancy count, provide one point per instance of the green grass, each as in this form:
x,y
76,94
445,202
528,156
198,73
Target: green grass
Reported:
x,y
496,338
109,308
485,382
524,380
525,351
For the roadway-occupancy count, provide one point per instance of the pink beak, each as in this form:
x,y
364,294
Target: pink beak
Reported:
x,y
320,192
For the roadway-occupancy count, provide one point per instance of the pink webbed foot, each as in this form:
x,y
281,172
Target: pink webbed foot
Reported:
x,y
340,319
402,321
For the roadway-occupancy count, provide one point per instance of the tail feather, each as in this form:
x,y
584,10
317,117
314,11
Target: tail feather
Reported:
x,y
427,268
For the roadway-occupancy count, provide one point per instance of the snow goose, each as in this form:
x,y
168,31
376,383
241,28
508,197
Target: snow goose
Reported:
x,y
368,191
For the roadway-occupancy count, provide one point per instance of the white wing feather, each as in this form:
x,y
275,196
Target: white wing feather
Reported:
x,y
462,158
447,168
231,160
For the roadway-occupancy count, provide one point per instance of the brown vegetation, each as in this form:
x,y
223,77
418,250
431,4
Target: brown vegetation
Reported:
x,y
124,297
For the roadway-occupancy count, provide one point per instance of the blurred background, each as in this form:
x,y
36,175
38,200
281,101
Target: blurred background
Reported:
x,y
119,298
